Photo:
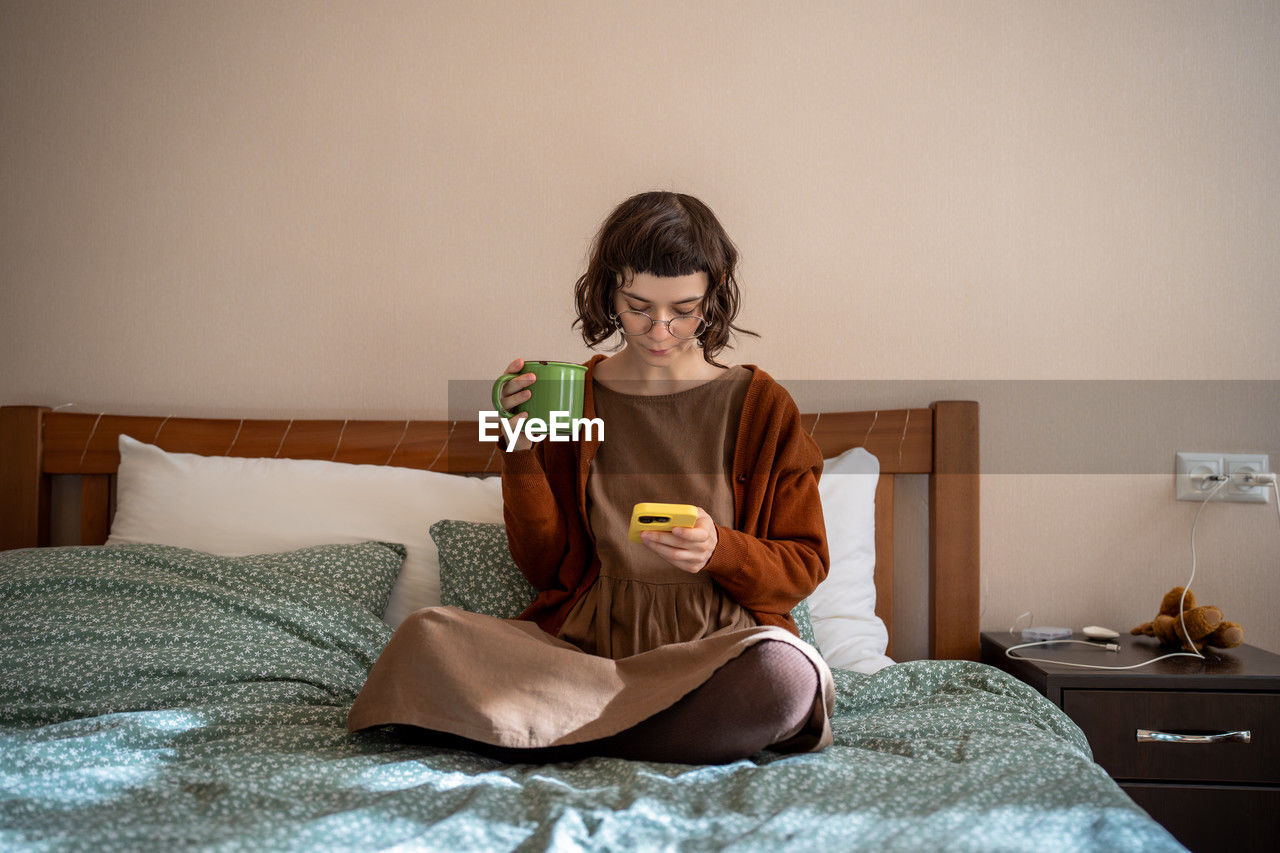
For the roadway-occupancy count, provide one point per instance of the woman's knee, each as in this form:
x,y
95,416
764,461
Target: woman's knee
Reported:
x,y
782,669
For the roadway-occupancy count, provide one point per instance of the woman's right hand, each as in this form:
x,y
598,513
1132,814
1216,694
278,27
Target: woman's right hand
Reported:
x,y
513,394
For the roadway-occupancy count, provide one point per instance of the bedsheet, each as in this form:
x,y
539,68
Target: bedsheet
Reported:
x,y
219,723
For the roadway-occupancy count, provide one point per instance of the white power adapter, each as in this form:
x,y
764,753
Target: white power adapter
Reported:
x,y
1250,479
1045,633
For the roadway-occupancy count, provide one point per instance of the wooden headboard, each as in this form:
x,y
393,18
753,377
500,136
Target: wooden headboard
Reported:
x,y
940,441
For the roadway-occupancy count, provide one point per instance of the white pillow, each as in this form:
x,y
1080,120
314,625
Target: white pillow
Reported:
x,y
233,507
843,608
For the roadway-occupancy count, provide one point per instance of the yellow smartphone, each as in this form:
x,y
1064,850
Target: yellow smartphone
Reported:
x,y
652,516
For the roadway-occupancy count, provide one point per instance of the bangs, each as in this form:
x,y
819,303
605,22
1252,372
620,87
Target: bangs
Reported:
x,y
665,236
664,258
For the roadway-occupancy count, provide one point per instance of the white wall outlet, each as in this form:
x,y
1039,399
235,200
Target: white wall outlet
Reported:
x,y
1191,469
1239,464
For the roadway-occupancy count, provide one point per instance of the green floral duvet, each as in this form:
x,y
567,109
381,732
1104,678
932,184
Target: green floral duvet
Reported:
x,y
153,698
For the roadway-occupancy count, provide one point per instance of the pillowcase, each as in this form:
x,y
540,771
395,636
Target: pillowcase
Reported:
x,y
232,506
88,630
478,575
850,635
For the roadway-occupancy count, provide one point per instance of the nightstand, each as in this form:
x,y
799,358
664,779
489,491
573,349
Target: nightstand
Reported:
x,y
1146,728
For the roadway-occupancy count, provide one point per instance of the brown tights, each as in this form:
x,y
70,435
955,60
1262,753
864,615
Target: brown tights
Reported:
x,y
759,698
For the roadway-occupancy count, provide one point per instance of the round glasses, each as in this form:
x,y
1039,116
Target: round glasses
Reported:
x,y
685,328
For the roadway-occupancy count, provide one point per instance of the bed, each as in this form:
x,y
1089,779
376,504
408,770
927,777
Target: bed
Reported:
x,y
166,697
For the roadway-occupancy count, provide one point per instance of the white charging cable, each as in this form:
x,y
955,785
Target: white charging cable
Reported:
x,y
1222,481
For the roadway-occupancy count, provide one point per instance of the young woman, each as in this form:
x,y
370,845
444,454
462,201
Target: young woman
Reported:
x,y
679,648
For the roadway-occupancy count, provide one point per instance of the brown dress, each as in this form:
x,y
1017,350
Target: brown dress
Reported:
x,y
651,632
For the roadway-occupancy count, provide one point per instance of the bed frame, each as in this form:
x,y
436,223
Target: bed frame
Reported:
x,y
940,441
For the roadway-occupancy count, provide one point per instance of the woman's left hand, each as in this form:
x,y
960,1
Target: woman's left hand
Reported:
x,y
686,548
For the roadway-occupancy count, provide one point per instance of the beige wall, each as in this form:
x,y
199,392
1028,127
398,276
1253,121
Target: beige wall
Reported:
x,y
319,208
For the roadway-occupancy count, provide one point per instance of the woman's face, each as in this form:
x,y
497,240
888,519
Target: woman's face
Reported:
x,y
662,299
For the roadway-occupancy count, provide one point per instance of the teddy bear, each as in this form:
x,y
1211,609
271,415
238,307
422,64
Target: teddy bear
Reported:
x,y
1205,625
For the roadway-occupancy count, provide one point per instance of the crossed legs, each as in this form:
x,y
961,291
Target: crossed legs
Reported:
x,y
761,697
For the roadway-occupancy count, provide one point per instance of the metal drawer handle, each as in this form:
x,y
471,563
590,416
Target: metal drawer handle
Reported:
x,y
1149,736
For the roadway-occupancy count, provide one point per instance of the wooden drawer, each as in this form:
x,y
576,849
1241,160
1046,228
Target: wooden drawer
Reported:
x,y
1112,718
1212,818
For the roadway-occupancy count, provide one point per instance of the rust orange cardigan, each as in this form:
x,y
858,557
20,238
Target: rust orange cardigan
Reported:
x,y
770,560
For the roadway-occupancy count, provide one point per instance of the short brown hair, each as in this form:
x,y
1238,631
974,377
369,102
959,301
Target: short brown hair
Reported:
x,y
664,234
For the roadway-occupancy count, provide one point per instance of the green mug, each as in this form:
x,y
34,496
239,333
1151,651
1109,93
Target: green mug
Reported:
x,y
558,388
